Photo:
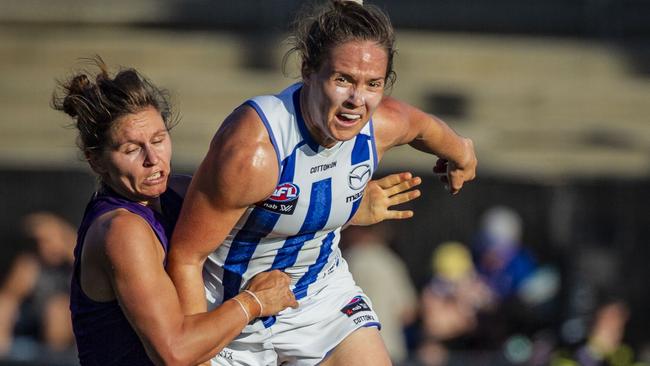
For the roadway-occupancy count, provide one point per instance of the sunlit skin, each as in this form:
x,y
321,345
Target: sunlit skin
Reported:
x,y
338,100
136,163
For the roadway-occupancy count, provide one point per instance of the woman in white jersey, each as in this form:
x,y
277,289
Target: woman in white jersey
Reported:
x,y
285,172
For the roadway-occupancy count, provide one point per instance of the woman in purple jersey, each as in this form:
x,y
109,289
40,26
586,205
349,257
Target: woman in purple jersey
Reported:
x,y
346,51
125,309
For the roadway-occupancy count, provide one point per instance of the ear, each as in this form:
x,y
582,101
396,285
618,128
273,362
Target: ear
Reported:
x,y
306,74
96,163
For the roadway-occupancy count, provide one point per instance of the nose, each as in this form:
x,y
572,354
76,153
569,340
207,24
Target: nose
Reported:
x,y
356,97
151,156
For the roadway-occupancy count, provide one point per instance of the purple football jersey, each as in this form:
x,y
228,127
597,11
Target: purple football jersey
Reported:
x,y
104,336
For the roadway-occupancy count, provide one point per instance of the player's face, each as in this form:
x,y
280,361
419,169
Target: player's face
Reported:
x,y
136,163
339,99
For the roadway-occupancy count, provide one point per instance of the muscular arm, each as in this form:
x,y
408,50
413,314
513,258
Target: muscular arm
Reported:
x,y
239,170
397,123
130,255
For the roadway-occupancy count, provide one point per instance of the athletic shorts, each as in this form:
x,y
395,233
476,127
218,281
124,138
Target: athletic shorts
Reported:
x,y
304,336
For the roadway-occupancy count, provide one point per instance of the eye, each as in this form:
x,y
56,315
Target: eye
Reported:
x,y
158,138
376,84
132,149
340,80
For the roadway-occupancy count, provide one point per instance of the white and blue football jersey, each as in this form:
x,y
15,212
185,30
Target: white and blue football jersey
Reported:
x,y
297,229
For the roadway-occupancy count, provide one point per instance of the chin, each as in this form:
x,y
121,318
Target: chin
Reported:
x,y
345,135
153,192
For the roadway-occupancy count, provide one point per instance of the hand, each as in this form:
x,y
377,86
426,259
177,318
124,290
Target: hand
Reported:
x,y
382,194
453,174
272,289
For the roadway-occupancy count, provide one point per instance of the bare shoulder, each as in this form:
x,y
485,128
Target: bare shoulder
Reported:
x,y
390,108
391,122
243,127
241,160
122,235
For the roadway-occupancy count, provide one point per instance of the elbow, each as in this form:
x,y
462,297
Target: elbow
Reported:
x,y
173,356
171,352
180,256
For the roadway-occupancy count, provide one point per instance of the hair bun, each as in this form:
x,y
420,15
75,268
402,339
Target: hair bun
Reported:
x,y
75,90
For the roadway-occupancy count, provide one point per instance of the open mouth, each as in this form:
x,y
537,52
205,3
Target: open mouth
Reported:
x,y
155,178
348,119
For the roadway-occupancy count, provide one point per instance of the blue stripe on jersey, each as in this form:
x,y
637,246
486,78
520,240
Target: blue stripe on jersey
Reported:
x,y
312,273
268,321
260,112
317,215
361,151
243,247
304,132
289,165
258,225
287,255
355,207
320,204
374,147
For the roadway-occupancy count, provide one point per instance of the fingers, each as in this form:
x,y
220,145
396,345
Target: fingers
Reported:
x,y
441,166
404,186
455,184
265,280
399,215
293,303
404,197
393,179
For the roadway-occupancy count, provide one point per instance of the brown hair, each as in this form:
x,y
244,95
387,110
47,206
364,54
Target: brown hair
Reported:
x,y
319,29
96,101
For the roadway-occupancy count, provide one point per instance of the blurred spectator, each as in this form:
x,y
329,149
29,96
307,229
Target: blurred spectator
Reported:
x,y
455,294
526,292
604,345
498,252
34,315
450,303
384,278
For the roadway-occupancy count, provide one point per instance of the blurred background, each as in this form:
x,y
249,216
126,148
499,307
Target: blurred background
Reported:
x,y
542,260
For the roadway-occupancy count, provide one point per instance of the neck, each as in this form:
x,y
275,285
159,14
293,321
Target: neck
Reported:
x,y
320,136
153,203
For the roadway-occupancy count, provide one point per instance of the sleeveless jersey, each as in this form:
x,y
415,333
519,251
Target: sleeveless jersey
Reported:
x,y
103,334
297,229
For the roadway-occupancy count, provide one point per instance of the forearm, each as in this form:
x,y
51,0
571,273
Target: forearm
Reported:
x,y
439,139
188,280
201,336
212,331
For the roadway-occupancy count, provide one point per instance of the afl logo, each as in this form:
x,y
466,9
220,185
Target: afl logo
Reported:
x,y
285,192
359,176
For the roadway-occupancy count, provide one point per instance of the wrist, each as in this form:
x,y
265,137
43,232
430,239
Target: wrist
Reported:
x,y
249,304
469,156
257,299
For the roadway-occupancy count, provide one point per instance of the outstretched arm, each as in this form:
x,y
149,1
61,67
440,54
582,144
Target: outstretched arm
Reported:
x,y
397,123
